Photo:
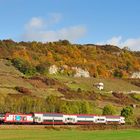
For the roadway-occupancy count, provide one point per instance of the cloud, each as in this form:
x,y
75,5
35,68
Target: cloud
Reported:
x,y
132,43
35,23
38,29
40,23
70,33
115,40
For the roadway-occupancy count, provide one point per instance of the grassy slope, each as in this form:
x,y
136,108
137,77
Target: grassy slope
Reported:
x,y
10,78
42,134
87,84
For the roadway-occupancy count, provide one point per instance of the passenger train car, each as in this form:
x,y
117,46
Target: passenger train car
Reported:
x,y
60,119
54,118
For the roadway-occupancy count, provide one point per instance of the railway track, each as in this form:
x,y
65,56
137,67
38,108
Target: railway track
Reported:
x,y
62,128
59,127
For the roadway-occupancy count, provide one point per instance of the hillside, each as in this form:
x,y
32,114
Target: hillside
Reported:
x,y
27,86
12,78
100,61
15,86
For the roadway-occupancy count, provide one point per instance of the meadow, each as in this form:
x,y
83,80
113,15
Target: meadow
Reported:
x,y
44,134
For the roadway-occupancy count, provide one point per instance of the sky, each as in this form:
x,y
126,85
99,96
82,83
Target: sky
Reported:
x,y
115,22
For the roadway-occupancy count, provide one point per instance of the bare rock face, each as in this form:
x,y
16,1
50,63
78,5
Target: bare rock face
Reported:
x,y
81,73
53,69
136,75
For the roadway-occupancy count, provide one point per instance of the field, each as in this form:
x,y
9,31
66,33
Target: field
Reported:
x,y
45,134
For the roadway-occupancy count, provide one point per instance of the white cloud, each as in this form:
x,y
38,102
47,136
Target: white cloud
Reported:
x,y
70,33
38,29
40,23
115,40
35,23
132,43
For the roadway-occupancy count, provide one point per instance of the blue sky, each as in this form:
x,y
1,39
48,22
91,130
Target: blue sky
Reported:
x,y
114,22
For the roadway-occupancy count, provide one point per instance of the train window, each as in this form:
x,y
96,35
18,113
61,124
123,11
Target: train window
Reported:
x,y
35,118
100,119
2,115
24,118
70,119
52,115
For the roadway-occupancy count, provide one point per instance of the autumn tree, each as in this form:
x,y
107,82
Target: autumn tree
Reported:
x,y
109,110
127,112
23,66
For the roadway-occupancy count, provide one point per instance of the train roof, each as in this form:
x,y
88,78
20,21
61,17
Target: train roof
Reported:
x,y
108,116
18,114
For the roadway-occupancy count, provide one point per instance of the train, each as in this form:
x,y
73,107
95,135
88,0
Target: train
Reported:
x,y
59,119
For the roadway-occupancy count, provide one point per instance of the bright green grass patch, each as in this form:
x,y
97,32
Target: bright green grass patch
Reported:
x,y
136,96
43,134
87,84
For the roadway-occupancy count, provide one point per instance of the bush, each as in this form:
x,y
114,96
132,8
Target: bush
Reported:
x,y
118,74
43,67
127,112
109,110
24,66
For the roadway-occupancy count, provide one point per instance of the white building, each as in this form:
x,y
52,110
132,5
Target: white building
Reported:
x,y
100,86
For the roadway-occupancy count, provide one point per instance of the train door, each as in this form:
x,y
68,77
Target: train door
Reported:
x,y
38,118
100,119
70,119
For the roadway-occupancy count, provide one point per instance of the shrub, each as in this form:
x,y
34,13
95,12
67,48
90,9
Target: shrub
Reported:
x,y
40,68
118,74
109,110
127,112
24,66
43,67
